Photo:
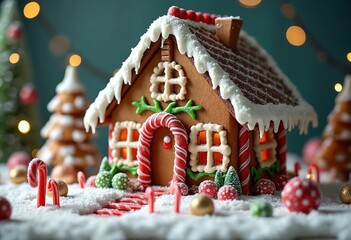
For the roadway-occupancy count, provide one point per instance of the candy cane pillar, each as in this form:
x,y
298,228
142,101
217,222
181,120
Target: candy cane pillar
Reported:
x,y
181,145
244,159
281,148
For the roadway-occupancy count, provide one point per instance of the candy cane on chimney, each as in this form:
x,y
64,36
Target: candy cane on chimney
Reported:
x,y
36,175
53,187
244,159
281,148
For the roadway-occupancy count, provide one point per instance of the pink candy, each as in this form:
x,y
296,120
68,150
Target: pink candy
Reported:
x,y
264,186
208,188
227,193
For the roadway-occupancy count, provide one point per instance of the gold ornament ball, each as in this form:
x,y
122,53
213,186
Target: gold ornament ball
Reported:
x,y
63,188
345,194
201,205
18,174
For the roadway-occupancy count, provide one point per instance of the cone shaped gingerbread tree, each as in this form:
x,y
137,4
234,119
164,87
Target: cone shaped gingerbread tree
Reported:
x,y
67,142
18,112
335,152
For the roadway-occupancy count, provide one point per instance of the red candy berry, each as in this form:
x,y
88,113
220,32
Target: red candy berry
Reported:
x,y
5,209
301,195
227,193
280,182
264,186
174,11
191,15
182,14
206,18
199,17
91,182
183,189
208,188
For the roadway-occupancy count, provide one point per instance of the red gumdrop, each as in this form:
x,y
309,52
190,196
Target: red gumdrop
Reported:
x,y
199,17
206,18
280,181
91,182
301,195
191,15
18,158
208,188
227,192
5,209
183,14
213,19
310,149
264,186
173,11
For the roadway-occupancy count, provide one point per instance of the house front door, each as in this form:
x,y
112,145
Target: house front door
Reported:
x,y
154,168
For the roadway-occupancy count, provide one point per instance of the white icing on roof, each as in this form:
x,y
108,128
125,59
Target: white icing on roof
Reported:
x,y
345,95
246,112
70,82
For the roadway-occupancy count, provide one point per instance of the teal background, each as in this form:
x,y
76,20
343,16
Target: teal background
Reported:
x,y
104,32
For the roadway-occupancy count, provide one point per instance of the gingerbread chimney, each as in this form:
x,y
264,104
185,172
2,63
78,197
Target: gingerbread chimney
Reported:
x,y
227,31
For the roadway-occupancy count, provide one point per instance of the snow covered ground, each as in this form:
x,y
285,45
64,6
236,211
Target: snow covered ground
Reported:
x,y
232,219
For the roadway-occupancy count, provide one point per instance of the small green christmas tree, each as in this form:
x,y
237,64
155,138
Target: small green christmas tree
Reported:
x,y
18,113
232,179
219,179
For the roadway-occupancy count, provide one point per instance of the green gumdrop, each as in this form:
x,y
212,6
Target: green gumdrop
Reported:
x,y
103,179
120,181
261,209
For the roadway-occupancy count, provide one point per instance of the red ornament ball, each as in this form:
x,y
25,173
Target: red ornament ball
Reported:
x,y
310,149
17,159
208,188
91,182
280,181
14,32
28,95
174,11
227,193
264,186
301,195
5,209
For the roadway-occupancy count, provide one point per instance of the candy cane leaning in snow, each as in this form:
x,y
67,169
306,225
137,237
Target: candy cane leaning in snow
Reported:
x,y
150,195
36,175
81,179
53,187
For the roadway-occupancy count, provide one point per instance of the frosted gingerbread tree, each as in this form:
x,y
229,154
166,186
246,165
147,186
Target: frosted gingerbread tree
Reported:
x,y
18,111
67,142
335,152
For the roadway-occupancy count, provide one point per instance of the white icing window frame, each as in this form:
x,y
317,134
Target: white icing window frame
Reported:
x,y
209,148
130,144
271,144
167,79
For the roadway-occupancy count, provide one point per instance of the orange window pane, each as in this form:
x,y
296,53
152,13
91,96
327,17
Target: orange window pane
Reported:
x,y
134,153
217,157
123,135
201,137
264,138
135,135
124,153
203,158
216,139
265,154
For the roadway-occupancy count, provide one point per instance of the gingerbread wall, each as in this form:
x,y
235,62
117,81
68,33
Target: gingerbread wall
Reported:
x,y
214,110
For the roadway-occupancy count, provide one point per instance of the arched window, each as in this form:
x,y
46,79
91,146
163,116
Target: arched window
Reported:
x,y
265,148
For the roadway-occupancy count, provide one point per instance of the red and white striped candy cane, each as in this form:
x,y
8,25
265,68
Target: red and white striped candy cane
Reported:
x,y
244,160
281,148
81,179
175,189
150,194
36,175
54,188
181,144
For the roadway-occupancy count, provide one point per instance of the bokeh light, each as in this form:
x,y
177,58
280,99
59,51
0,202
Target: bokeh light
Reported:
x,y
75,60
24,126
31,10
296,35
338,87
250,3
59,45
348,56
14,58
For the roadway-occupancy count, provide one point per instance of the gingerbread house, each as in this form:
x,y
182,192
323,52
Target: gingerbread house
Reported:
x,y
197,95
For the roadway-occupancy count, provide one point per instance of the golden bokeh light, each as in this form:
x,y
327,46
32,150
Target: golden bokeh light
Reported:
x,y
296,35
59,45
338,87
14,58
250,3
348,56
75,60
31,10
24,126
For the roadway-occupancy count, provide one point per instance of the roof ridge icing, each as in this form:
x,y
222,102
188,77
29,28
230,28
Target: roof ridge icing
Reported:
x,y
246,112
